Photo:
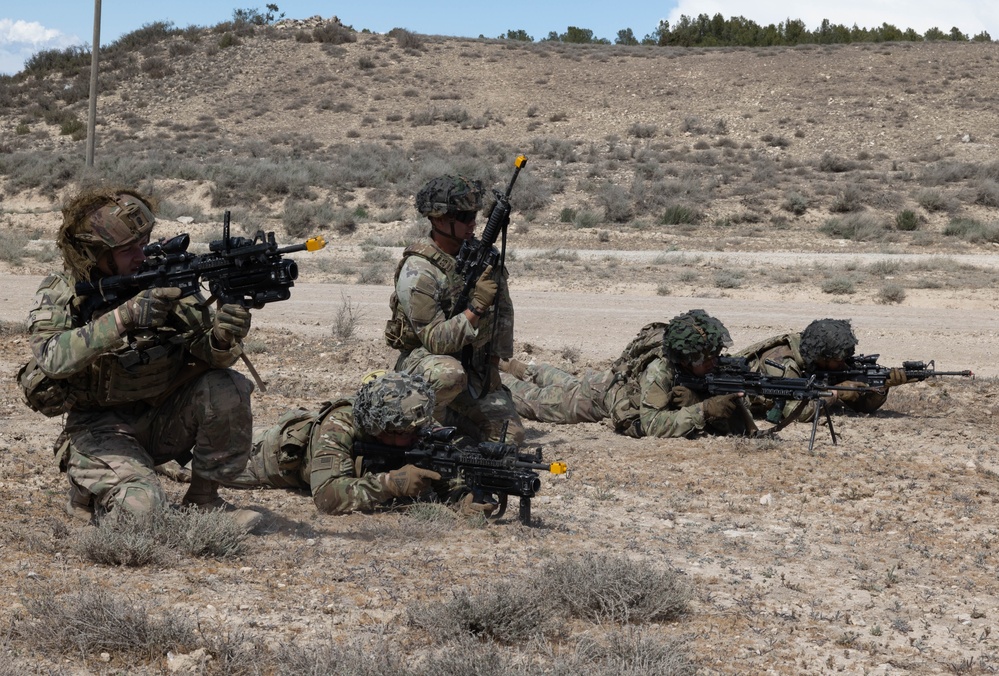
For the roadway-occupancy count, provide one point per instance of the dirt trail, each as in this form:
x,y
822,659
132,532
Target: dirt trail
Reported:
x,y
599,325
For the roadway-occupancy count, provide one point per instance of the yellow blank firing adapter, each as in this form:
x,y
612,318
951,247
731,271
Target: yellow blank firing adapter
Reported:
x,y
558,468
372,375
315,244
520,161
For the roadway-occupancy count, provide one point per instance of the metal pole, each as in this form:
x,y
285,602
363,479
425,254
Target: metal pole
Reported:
x,y
92,117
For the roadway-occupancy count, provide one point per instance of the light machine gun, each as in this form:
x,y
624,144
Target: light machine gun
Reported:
x,y
493,468
732,375
250,272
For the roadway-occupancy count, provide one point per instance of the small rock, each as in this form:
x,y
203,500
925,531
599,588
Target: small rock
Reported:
x,y
186,220
766,499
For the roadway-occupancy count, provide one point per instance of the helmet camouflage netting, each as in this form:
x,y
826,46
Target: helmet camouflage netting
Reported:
x,y
693,334
394,402
98,220
449,194
827,339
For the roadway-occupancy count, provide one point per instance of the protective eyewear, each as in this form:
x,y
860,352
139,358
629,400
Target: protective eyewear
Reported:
x,y
463,216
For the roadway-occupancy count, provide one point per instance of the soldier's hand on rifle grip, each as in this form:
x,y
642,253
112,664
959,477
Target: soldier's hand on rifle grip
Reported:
x,y
720,407
681,396
896,377
849,396
484,293
148,309
468,507
409,481
232,323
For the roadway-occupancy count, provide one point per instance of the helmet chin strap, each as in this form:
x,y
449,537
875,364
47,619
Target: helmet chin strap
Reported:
x,y
451,236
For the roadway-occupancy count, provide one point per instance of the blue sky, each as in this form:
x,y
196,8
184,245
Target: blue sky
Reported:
x,y
27,27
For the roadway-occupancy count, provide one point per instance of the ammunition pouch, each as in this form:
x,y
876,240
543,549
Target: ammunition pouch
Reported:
x,y
43,394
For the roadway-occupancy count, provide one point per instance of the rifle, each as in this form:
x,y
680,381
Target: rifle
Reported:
x,y
865,369
250,272
493,468
474,257
733,375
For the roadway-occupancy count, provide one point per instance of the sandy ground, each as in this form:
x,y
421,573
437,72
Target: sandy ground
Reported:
x,y
875,555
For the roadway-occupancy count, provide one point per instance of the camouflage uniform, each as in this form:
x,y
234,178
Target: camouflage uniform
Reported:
x,y
314,450
556,396
825,337
138,400
636,394
432,343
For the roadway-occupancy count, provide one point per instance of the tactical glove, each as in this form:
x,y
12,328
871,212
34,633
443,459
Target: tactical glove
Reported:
x,y
468,507
409,481
681,396
850,396
719,407
148,309
896,377
232,323
484,292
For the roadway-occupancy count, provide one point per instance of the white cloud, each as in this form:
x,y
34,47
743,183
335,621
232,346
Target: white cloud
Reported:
x,y
20,39
970,16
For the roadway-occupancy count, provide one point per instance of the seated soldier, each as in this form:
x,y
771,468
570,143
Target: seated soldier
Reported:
x,y
826,345
637,393
315,450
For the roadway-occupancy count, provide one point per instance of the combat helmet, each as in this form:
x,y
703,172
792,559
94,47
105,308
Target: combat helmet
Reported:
x,y
99,220
827,339
693,334
394,402
449,193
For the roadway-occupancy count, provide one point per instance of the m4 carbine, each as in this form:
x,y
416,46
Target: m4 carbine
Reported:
x,y
864,368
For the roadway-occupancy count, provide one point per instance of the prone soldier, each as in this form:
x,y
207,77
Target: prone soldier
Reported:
x,y
825,346
316,450
637,395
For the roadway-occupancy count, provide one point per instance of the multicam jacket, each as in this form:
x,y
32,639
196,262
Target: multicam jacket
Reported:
x,y
101,368
785,350
314,450
426,287
641,402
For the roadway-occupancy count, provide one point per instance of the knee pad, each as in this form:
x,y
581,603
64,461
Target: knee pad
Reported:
x,y
134,498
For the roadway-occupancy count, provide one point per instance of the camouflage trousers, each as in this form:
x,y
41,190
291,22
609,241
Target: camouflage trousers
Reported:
x,y
556,396
481,418
112,452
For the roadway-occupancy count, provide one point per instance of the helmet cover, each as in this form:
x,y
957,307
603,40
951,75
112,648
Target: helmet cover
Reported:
x,y
449,194
394,402
693,334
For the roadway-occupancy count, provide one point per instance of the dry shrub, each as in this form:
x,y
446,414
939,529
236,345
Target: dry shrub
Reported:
x,y
122,539
603,587
94,620
507,611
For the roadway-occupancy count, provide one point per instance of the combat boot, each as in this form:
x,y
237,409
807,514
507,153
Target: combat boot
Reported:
x,y
514,367
78,504
203,495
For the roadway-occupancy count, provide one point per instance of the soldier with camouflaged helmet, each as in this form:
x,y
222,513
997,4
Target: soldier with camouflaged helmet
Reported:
x,y
437,343
314,450
143,383
824,345
637,394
